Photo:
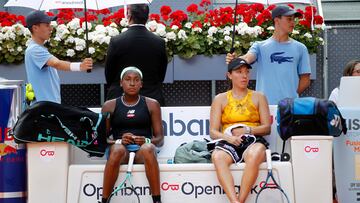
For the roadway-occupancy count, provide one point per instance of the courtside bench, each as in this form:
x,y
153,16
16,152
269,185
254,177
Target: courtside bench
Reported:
x,y
76,178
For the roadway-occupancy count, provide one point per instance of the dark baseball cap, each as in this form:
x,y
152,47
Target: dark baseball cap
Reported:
x,y
36,17
284,11
237,63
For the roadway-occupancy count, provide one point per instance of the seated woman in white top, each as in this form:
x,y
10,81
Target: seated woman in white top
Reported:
x,y
352,68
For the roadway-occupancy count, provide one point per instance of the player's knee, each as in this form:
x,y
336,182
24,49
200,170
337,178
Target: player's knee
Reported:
x,y
217,156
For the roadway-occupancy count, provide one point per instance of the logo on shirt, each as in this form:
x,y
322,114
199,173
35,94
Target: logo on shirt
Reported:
x,y
131,113
276,57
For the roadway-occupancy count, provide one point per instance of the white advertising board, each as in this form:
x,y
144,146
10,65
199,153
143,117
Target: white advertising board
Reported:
x,y
179,183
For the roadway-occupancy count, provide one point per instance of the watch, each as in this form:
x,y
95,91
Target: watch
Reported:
x,y
247,130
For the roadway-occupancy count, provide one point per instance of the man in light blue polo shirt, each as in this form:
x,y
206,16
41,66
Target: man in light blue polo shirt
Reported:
x,y
40,65
283,65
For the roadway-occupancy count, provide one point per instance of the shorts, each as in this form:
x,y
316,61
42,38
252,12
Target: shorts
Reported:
x,y
237,152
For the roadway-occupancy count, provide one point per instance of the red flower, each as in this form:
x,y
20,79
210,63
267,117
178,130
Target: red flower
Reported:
x,y
165,10
204,3
50,13
271,7
165,17
291,6
309,9
197,23
305,23
192,8
106,22
301,13
104,11
178,15
318,20
257,7
177,23
155,17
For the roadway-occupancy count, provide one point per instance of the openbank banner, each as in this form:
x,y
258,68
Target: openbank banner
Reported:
x,y
185,124
197,185
347,158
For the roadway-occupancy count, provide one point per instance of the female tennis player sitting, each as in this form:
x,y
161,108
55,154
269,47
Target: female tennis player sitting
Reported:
x,y
134,119
237,115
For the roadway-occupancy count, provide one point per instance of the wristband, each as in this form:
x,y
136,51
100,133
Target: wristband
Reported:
x,y
118,141
147,140
75,66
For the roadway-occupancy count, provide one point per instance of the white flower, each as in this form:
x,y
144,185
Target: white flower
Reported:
x,y
295,32
114,25
100,28
11,50
188,25
174,27
79,31
70,52
57,39
161,33
270,28
107,39
80,44
70,39
53,23
74,24
321,40
170,36
124,29
83,26
227,30
19,49
197,29
221,42
182,35
227,38
124,22
112,31
91,50
308,35
152,25
28,42
0,48
161,30
212,30
62,31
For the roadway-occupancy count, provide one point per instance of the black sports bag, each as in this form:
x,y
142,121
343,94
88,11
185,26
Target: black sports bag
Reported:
x,y
52,122
309,116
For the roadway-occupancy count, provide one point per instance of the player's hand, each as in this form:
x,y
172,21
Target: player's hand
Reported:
x,y
86,64
127,138
139,140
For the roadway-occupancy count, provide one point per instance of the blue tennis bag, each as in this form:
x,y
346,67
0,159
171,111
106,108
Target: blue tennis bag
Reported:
x,y
309,116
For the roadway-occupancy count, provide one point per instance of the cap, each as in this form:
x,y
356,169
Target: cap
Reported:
x,y
36,17
131,68
284,11
237,63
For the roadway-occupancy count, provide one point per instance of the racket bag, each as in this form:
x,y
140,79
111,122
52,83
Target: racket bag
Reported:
x,y
51,122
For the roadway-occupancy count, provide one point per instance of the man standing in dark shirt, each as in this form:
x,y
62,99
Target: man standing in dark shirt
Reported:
x,y
140,48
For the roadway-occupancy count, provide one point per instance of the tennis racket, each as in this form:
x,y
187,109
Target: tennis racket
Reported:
x,y
126,188
273,185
